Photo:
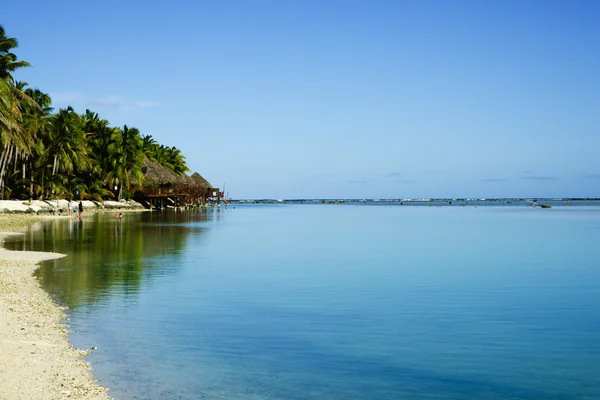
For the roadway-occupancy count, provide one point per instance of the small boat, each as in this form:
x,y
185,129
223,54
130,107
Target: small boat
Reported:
x,y
534,203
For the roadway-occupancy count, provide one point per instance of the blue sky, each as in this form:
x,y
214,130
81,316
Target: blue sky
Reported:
x,y
338,99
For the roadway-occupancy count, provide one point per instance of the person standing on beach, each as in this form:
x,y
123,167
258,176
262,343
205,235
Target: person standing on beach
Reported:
x,y
80,209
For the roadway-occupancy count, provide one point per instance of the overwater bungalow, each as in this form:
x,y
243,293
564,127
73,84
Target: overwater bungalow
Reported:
x,y
162,188
207,192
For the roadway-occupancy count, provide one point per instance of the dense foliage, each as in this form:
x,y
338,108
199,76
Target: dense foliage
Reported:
x,y
64,154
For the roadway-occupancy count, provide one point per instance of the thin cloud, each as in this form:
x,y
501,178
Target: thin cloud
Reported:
x,y
392,175
593,176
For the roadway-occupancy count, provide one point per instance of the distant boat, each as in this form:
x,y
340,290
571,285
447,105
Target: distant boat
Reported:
x,y
534,203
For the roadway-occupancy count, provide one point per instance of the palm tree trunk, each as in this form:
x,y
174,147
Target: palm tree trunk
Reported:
x,y
31,166
43,192
5,157
2,173
54,167
15,162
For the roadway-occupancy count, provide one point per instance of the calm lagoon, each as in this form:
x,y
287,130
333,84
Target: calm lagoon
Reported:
x,y
333,301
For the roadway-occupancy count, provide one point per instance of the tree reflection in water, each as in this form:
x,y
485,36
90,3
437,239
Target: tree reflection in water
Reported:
x,y
108,256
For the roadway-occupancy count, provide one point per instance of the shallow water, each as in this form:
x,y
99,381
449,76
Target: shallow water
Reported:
x,y
334,301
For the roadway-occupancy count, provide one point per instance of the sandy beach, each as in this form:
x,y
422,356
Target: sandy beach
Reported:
x,y
36,359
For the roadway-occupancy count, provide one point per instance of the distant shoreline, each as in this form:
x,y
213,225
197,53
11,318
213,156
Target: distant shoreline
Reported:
x,y
38,361
61,207
421,199
511,202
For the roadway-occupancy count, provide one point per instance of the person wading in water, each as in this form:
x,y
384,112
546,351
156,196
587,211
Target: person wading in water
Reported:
x,y
80,209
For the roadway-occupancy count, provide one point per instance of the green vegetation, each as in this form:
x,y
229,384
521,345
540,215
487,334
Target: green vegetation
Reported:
x,y
47,154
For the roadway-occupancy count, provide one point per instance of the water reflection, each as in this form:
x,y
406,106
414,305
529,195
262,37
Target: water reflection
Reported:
x,y
109,256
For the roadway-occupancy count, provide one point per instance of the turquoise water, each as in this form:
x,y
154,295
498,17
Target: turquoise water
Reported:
x,y
334,301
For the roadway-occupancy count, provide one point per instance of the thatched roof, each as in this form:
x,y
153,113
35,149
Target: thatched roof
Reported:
x,y
156,174
188,181
200,181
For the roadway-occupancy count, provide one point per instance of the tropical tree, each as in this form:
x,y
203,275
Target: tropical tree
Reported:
x,y
64,149
161,156
170,158
10,96
177,160
34,121
10,114
96,190
66,142
126,158
8,60
43,100
101,139
149,146
64,153
14,138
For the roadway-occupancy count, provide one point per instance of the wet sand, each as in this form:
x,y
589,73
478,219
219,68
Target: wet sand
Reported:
x,y
36,359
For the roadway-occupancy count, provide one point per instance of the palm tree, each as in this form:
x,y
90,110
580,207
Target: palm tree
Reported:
x,y
65,148
161,156
177,160
170,158
71,187
66,152
14,138
100,140
10,115
42,99
8,60
149,146
127,157
10,96
96,190
34,120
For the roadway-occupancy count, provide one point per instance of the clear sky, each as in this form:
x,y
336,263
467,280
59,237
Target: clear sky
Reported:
x,y
337,99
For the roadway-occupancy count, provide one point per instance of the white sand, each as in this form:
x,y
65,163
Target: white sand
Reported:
x,y
62,206
37,362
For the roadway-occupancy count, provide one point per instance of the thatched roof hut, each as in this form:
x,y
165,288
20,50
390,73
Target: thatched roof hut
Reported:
x,y
200,181
161,183
157,175
160,180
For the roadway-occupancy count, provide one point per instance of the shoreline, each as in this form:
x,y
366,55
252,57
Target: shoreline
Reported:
x,y
37,360
63,207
